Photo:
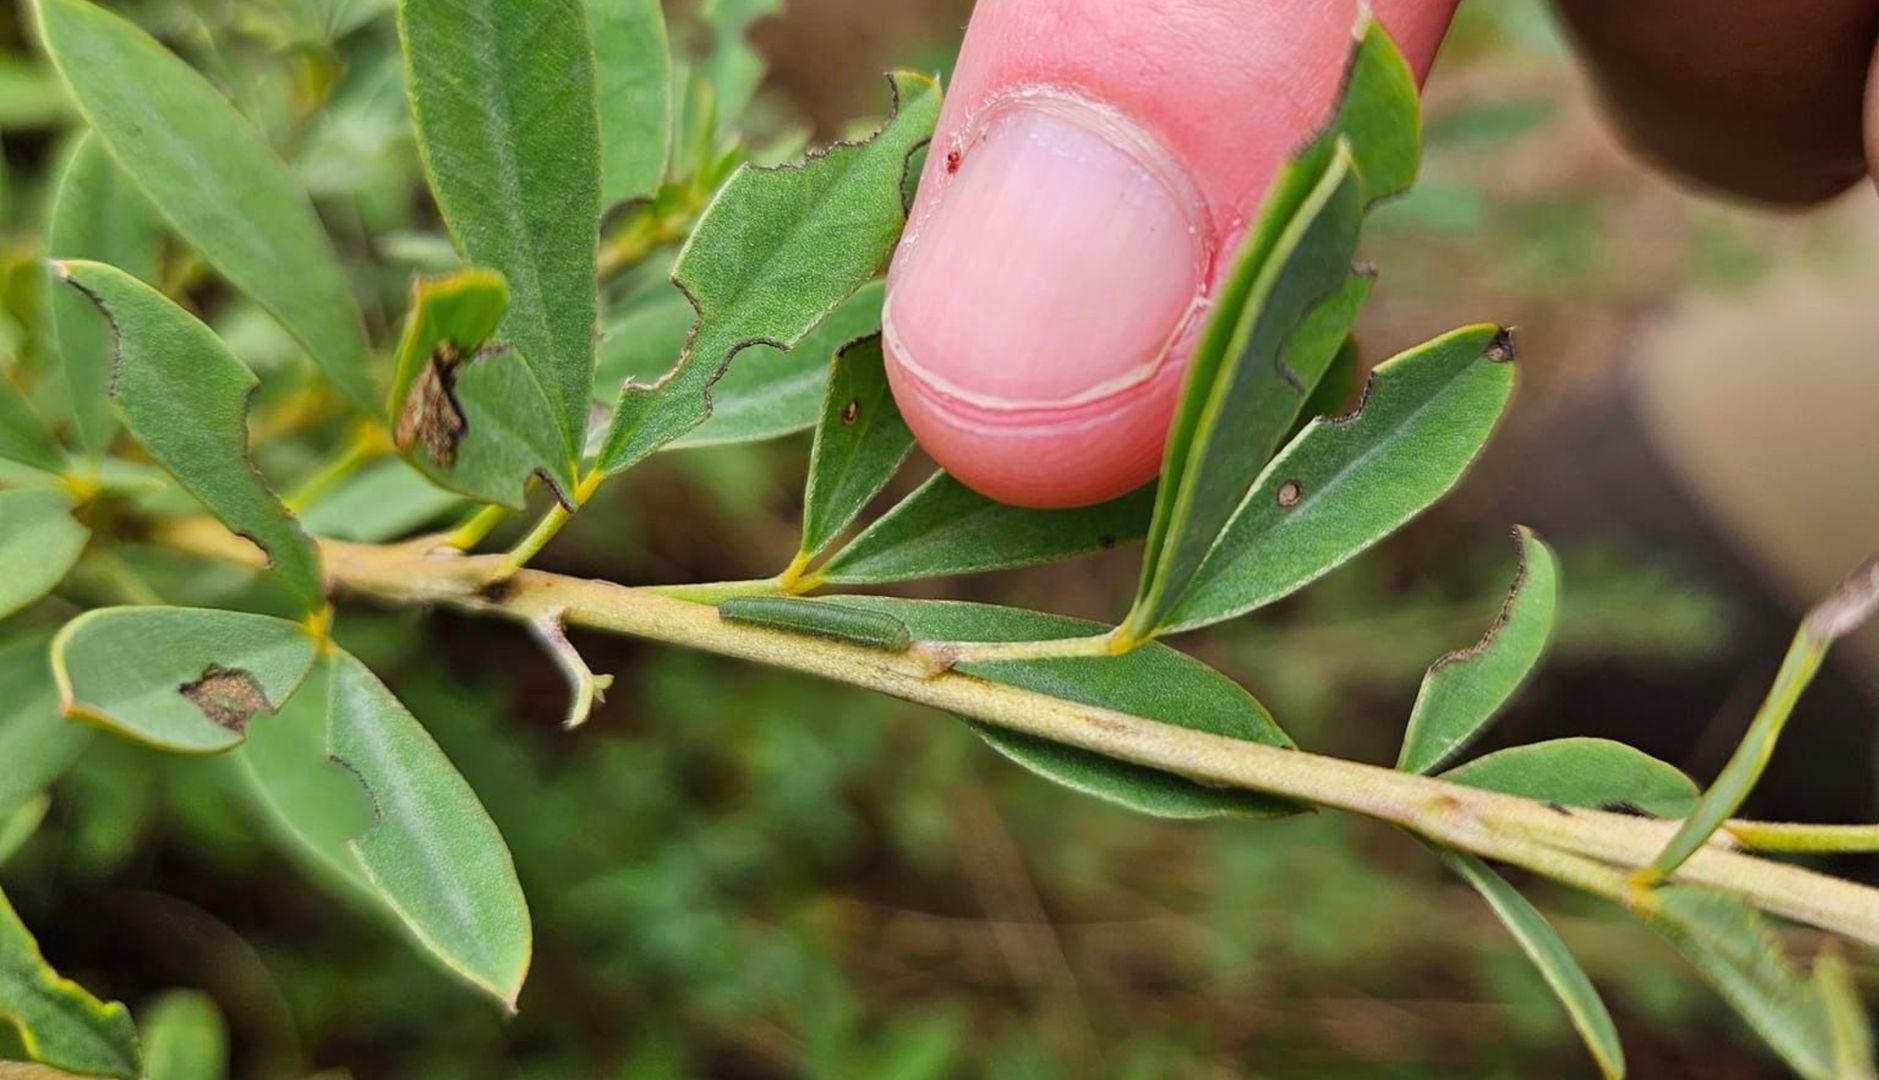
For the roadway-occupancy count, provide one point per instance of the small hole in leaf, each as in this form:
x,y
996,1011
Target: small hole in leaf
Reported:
x,y
1290,493
850,411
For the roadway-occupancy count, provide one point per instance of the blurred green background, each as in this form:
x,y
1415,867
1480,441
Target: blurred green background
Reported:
x,y
738,873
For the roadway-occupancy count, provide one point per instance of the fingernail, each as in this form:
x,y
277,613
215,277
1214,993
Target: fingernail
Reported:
x,y
1062,259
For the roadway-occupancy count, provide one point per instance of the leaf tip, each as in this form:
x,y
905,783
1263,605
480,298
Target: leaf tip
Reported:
x,y
1501,349
1848,606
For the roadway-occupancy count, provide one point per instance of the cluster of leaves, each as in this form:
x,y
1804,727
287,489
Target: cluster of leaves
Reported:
x,y
556,178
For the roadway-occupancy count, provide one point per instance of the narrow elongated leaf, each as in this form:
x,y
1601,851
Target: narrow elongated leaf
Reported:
x,y
212,176
36,743
768,393
1738,954
1846,1016
1244,386
24,439
634,70
1343,484
97,214
775,251
946,528
183,679
1380,112
185,397
39,542
184,1038
57,1022
432,853
1153,681
1549,954
861,441
1843,611
822,618
1464,690
1596,774
468,414
504,101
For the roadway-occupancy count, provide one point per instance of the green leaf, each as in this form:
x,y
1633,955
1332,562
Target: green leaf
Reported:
x,y
822,618
212,176
182,679
774,253
1345,483
1153,681
385,501
504,101
1248,378
17,826
1541,943
1846,1016
470,415
58,1023
433,853
309,799
1379,112
634,68
1466,689
1737,952
184,1038
860,443
97,214
945,528
24,439
1594,774
39,542
37,743
767,394
185,397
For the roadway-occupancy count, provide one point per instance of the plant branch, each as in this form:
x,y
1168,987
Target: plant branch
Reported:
x,y
1509,828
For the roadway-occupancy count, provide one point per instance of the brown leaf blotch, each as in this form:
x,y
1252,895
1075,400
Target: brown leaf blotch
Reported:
x,y
1290,493
228,696
851,411
431,414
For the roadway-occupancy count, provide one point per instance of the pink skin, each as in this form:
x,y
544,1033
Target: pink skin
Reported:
x,y
1095,163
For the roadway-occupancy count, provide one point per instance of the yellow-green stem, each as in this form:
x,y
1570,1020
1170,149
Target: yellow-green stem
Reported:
x,y
472,532
1491,824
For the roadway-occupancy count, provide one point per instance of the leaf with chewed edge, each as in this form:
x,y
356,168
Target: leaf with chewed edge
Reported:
x,y
1466,689
432,851
774,253
212,176
1153,681
185,397
56,1021
181,679
96,214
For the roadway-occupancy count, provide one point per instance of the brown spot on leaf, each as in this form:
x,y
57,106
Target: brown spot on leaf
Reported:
x,y
1105,541
1501,349
952,162
851,411
431,414
1629,809
1290,493
228,696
